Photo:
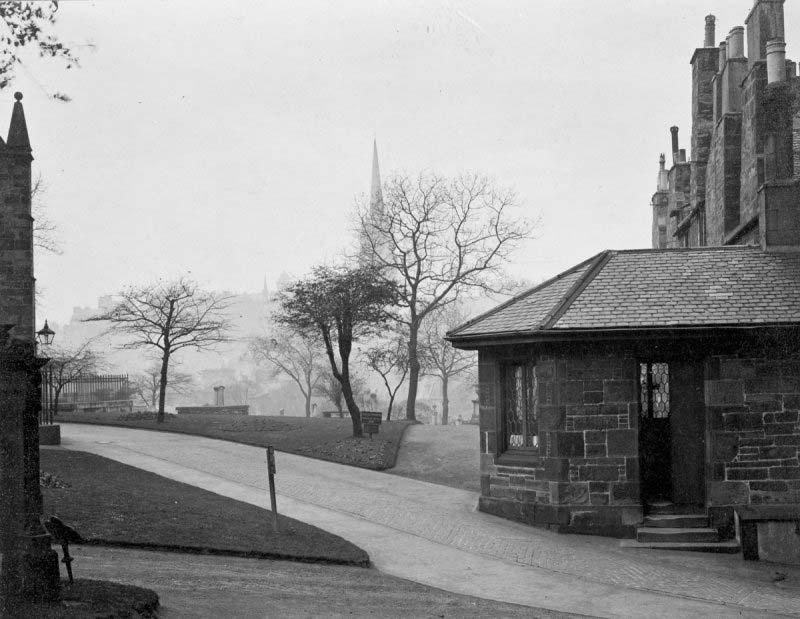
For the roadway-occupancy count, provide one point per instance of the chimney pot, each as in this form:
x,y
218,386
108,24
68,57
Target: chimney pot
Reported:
x,y
736,42
675,153
776,61
682,155
710,36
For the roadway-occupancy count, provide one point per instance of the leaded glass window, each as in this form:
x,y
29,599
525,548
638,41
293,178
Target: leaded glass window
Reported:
x,y
520,406
654,390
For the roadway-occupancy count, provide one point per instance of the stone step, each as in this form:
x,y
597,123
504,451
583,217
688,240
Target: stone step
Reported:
x,y
656,508
727,547
674,521
676,535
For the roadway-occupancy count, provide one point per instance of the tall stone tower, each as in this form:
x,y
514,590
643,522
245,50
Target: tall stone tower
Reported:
x,y
17,287
660,204
29,566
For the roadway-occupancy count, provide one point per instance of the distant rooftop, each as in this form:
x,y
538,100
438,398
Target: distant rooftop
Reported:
x,y
653,289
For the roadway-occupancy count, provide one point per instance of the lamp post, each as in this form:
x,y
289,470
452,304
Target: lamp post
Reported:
x,y
45,337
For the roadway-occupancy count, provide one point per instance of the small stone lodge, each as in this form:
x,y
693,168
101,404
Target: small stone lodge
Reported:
x,y
668,379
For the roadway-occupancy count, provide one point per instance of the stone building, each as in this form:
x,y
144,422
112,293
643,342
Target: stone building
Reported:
x,y
655,393
739,186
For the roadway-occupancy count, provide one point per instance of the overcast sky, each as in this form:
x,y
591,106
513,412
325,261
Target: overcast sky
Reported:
x,y
231,140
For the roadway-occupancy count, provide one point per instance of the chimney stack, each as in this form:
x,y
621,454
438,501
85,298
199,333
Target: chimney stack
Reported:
x,y
735,42
675,153
776,61
710,37
723,55
682,156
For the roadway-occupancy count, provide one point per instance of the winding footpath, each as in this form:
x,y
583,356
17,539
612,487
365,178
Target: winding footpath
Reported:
x,y
433,535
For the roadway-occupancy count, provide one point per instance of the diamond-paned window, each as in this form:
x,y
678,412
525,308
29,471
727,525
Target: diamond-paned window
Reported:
x,y
654,390
520,406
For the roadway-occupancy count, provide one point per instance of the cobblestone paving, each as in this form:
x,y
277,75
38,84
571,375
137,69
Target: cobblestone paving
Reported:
x,y
448,516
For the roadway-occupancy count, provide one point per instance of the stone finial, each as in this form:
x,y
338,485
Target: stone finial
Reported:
x,y
18,130
710,31
663,177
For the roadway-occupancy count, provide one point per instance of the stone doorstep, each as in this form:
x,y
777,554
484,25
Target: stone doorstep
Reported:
x,y
676,520
676,534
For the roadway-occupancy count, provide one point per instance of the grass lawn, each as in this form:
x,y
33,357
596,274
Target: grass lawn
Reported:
x,y
446,455
326,439
90,599
111,503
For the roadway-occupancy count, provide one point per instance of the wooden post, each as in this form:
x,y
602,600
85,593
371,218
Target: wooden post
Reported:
x,y
271,475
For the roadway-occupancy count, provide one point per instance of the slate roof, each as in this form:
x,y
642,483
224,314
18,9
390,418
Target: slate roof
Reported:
x,y
653,289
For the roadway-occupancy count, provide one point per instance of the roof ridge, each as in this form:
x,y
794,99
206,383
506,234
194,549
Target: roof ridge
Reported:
x,y
644,250
599,261
521,295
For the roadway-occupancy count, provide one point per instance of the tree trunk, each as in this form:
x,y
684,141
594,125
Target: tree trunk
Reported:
x,y
162,389
347,393
413,372
54,403
445,401
389,411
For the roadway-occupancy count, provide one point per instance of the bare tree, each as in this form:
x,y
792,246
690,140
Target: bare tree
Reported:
x,y
147,384
169,316
67,365
45,232
300,358
238,392
338,305
436,238
330,388
438,356
390,361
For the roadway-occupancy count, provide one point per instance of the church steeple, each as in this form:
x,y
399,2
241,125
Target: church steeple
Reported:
x,y
375,192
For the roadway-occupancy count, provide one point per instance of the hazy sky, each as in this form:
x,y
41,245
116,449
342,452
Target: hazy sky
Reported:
x,y
232,139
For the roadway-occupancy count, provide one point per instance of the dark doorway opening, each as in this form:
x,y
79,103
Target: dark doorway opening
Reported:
x,y
672,433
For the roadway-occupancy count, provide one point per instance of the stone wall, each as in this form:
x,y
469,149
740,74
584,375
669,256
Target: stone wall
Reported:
x,y
213,410
705,63
753,409
752,160
723,179
679,205
585,475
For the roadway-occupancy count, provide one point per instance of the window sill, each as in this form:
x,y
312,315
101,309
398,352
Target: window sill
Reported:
x,y
520,457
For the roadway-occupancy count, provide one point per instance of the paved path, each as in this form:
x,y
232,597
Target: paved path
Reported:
x,y
433,535
191,586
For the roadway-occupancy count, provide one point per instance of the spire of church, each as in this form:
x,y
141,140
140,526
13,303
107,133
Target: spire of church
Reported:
x,y
18,131
375,193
